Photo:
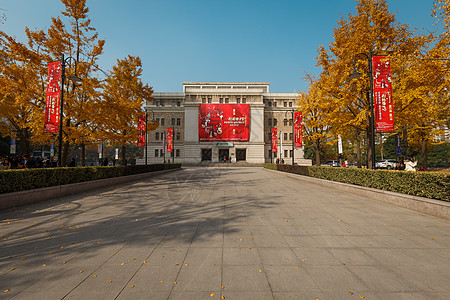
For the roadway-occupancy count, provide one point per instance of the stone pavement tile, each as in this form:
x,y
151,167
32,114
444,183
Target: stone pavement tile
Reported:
x,y
335,278
367,241
153,278
206,295
257,220
391,257
302,241
291,230
289,279
277,256
95,255
106,279
316,257
237,229
47,295
165,256
427,241
230,295
90,295
429,279
382,279
134,255
332,241
201,240
130,294
198,279
238,240
430,257
352,257
263,229
269,240
177,240
203,256
384,230
244,279
298,295
320,230
241,256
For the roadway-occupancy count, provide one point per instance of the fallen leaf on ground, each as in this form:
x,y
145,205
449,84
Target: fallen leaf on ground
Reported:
x,y
6,291
212,294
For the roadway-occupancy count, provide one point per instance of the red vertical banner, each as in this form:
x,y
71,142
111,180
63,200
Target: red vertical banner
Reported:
x,y
53,98
298,129
274,140
169,139
382,94
141,131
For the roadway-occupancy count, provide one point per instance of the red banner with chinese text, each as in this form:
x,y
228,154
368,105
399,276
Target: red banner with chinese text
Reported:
x,y
298,129
141,131
169,140
274,140
223,122
53,98
382,94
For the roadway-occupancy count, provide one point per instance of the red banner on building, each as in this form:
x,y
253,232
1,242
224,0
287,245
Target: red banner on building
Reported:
x,y
53,99
223,122
169,140
141,131
274,140
382,94
298,129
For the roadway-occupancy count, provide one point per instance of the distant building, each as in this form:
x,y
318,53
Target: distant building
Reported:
x,y
217,121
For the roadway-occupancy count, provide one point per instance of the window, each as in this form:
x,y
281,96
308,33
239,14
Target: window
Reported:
x,y
161,153
269,136
178,152
203,100
285,136
290,104
178,121
163,103
209,100
227,100
244,100
173,103
156,152
178,136
274,104
220,100
285,122
290,153
269,103
157,103
238,100
156,135
290,136
157,120
178,103
275,122
285,104
285,153
270,122
173,121
163,121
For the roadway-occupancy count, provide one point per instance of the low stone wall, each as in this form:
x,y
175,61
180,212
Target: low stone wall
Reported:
x,y
10,200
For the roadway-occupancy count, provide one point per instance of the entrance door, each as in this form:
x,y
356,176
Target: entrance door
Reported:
x,y
241,154
224,155
206,154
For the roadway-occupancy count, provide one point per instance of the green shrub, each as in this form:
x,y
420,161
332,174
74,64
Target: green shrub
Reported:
x,y
270,166
433,185
27,179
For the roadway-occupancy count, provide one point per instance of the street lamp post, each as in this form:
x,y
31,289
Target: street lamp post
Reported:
x,y
355,74
293,131
73,78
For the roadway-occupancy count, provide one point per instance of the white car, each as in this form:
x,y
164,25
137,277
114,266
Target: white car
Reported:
x,y
389,164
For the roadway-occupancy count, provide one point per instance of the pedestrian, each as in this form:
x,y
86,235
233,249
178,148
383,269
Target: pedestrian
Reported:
x,y
410,165
278,161
72,163
401,164
105,162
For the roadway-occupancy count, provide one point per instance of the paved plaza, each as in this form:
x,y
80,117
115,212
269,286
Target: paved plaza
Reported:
x,y
222,233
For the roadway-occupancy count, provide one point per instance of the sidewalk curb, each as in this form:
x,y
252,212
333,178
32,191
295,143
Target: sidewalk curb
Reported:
x,y
437,208
14,199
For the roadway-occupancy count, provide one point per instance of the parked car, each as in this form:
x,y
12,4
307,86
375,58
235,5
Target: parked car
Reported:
x,y
389,164
332,163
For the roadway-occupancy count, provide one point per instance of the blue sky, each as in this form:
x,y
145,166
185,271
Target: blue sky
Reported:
x,y
198,40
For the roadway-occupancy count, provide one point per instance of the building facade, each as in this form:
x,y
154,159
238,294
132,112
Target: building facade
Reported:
x,y
253,112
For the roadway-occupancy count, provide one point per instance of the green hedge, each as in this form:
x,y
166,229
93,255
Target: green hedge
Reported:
x,y
433,185
27,179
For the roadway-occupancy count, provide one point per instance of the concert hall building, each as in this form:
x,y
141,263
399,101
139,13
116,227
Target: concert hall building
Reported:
x,y
222,121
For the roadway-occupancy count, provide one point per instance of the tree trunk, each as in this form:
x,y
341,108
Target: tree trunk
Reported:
x,y
65,153
405,141
424,153
23,143
124,157
83,154
358,147
316,144
369,149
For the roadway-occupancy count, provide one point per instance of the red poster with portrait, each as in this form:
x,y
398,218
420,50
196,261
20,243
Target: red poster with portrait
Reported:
x,y
382,94
223,122
274,140
141,131
53,98
298,129
169,140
